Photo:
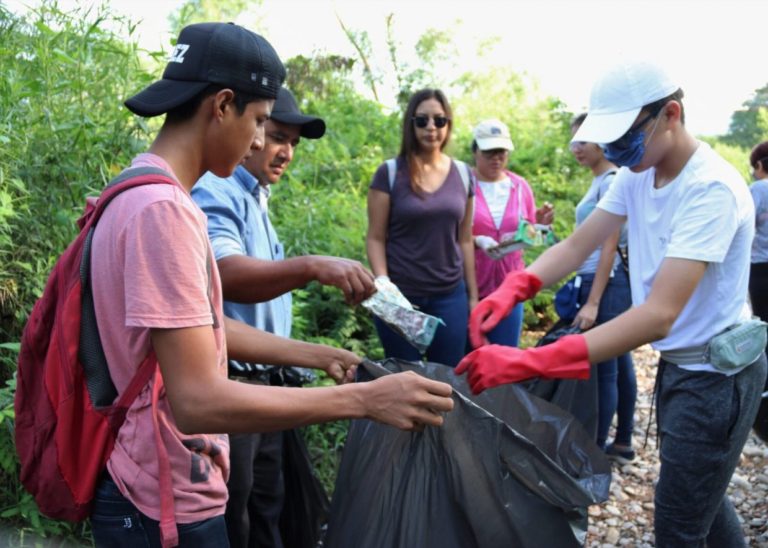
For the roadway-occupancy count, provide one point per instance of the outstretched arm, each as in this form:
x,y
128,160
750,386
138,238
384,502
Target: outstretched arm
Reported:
x,y
565,257
204,400
247,279
672,288
554,264
570,356
246,343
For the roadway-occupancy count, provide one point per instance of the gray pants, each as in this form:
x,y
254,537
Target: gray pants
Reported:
x,y
704,421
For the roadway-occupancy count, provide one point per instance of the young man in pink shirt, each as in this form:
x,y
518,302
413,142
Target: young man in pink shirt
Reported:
x,y
156,288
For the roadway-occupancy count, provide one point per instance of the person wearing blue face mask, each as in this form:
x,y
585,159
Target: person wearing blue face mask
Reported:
x,y
690,222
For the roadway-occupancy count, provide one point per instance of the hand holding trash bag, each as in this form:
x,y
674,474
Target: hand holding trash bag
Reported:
x,y
407,400
493,365
519,285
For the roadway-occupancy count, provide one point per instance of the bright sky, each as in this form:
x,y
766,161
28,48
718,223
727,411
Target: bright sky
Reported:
x,y
713,47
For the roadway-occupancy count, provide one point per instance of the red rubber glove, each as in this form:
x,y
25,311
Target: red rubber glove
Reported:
x,y
492,365
518,286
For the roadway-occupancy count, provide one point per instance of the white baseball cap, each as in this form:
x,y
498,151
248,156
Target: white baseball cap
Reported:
x,y
619,95
492,134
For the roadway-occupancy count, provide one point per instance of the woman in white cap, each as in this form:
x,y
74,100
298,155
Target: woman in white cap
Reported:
x,y
420,230
502,200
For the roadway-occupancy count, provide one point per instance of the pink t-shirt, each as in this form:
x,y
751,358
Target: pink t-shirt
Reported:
x,y
152,267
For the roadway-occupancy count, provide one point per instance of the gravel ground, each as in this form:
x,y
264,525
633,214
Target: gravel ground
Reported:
x,y
626,518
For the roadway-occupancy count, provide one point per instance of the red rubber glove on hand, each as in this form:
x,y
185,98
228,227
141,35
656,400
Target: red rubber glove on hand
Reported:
x,y
492,365
518,286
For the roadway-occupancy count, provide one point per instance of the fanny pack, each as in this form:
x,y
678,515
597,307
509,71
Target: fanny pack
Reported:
x,y
735,348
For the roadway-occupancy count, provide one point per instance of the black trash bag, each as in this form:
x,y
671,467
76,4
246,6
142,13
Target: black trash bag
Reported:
x,y
306,506
578,397
506,469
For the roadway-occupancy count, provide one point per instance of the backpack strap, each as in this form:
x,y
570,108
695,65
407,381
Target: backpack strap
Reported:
x,y
391,172
464,173
91,352
611,173
169,534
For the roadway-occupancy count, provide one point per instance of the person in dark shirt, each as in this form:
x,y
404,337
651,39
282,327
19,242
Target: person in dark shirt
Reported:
x,y
420,230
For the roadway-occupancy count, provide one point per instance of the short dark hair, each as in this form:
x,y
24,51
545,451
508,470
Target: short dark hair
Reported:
x,y
187,110
759,155
656,106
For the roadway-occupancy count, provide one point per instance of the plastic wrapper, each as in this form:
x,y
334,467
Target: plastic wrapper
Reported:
x,y
505,469
527,235
391,306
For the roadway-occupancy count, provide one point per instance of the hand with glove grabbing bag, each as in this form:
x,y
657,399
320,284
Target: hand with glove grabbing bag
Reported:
x,y
518,286
495,364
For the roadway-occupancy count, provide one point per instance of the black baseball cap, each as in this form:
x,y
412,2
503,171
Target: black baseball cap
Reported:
x,y
212,53
286,111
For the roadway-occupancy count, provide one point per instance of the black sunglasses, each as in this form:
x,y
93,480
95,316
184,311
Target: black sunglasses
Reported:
x,y
626,140
422,121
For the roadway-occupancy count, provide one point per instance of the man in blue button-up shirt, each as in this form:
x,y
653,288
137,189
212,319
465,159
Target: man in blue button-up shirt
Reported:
x,y
257,279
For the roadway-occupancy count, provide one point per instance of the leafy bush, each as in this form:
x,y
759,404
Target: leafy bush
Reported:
x,y
63,133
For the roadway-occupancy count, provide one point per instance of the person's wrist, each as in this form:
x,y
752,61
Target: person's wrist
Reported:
x,y
356,395
308,267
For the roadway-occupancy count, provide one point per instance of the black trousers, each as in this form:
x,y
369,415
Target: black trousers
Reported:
x,y
256,489
758,290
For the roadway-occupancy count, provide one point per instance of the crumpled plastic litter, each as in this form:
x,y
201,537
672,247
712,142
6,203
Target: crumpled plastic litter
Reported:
x,y
528,235
391,306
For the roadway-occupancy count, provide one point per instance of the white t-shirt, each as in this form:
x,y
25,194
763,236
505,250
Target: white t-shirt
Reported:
x,y
706,214
496,195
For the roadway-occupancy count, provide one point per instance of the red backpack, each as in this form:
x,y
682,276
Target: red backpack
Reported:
x,y
67,410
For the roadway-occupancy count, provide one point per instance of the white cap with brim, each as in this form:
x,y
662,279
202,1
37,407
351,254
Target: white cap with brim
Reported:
x,y
492,135
619,96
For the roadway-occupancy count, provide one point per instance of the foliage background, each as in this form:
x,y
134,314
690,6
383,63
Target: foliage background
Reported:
x,y
64,133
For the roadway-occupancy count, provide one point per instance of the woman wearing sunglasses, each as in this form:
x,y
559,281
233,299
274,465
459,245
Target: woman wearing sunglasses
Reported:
x,y
420,230
603,295
504,201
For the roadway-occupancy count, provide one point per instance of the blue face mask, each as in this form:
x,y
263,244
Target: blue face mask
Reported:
x,y
629,149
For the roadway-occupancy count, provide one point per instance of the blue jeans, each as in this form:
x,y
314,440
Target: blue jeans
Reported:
x,y
117,523
617,385
704,419
507,331
450,340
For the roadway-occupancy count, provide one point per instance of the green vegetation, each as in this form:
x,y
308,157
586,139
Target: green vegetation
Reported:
x,y
64,133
